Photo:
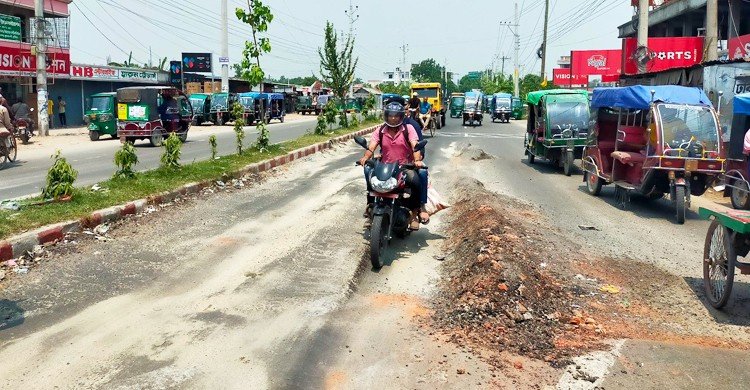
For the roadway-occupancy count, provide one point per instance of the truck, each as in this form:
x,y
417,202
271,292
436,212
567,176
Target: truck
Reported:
x,y
434,94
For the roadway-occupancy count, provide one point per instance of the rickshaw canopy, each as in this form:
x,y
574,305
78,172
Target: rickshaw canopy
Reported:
x,y
274,96
742,104
503,96
535,97
639,97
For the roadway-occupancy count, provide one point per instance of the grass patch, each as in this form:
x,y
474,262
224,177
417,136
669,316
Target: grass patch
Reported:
x,y
144,184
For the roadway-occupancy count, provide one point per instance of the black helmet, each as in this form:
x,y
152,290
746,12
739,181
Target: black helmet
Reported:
x,y
394,98
394,114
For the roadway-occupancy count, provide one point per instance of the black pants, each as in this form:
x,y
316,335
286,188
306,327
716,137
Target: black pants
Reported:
x,y
63,120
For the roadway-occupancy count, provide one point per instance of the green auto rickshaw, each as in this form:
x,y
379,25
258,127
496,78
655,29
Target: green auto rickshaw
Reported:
x,y
516,107
100,115
304,105
201,103
456,105
353,105
221,108
557,127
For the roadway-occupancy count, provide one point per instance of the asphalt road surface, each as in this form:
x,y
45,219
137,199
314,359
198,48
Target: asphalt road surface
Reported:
x,y
268,287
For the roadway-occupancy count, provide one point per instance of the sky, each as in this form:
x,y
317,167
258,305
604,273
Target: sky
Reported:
x,y
468,35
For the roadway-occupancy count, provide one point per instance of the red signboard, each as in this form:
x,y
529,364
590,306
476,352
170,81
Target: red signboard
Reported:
x,y
596,62
739,48
57,7
16,60
562,78
665,53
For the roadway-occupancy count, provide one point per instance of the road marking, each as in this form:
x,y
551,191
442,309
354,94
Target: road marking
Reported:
x,y
480,135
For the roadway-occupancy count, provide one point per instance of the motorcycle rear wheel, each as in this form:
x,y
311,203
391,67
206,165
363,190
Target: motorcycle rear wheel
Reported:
x,y
378,240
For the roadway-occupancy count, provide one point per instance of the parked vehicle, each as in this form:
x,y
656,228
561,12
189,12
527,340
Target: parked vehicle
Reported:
x,y
434,94
254,104
728,237
275,104
8,148
389,216
653,141
100,116
305,105
152,113
201,103
221,108
456,105
322,101
517,108
500,107
737,178
557,126
472,111
353,105
24,129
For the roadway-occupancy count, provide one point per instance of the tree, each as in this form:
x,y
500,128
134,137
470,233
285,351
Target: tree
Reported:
x,y
337,67
399,89
467,83
532,82
258,16
427,71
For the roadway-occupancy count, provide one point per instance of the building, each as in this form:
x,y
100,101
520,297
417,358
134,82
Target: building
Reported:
x,y
397,77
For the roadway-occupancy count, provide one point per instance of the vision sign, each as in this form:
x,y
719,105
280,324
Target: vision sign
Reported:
x,y
17,60
664,53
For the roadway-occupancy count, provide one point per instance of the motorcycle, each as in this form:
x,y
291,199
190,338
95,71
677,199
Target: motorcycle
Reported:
x,y
24,129
389,215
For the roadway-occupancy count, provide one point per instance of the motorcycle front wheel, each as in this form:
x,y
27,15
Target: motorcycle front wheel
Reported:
x,y
378,240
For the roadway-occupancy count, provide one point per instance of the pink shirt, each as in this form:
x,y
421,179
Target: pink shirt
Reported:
x,y
746,144
395,148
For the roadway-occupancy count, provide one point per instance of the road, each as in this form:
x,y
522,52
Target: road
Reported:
x,y
94,160
268,287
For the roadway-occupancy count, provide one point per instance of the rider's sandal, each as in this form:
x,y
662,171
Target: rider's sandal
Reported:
x,y
414,224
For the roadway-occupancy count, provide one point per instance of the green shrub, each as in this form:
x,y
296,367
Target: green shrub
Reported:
x,y
212,142
322,126
60,178
239,125
329,112
172,151
354,122
343,120
125,159
263,142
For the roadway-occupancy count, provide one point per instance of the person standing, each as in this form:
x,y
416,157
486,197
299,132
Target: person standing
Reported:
x,y
51,111
61,109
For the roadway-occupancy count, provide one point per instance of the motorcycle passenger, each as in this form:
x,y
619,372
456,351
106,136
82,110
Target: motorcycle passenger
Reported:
x,y
397,141
21,110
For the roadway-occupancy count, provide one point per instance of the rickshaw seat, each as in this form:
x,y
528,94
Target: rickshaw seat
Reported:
x,y
632,136
628,157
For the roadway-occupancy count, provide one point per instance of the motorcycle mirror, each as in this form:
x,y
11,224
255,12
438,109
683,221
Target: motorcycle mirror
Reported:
x,y
420,145
361,141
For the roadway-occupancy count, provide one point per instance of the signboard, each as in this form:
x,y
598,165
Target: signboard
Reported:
x,y
16,60
94,72
10,28
562,78
584,63
665,53
474,75
196,62
144,76
132,112
223,60
739,48
175,72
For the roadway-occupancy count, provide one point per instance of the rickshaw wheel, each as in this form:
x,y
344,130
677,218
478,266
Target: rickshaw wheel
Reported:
x,y
182,137
719,258
156,139
593,184
679,204
13,151
740,196
568,163
94,135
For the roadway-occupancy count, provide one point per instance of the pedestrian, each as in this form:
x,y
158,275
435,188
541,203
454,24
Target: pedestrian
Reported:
x,y
51,111
61,109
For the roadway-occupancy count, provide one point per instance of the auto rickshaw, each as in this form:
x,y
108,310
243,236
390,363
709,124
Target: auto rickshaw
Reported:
x,y
152,113
221,108
557,126
353,105
472,111
254,105
275,109
516,106
456,105
304,105
201,103
653,141
500,107
737,178
100,115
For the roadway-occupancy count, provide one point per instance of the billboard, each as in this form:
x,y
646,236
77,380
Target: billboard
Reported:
x,y
196,62
739,48
665,53
563,78
175,72
595,62
17,60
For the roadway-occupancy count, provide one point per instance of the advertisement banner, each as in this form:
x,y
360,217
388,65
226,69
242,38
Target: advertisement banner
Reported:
x,y
10,28
596,62
17,60
196,62
175,72
562,78
94,72
739,48
664,53
143,76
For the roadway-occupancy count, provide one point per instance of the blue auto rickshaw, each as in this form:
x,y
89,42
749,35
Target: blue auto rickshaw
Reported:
x,y
275,107
254,105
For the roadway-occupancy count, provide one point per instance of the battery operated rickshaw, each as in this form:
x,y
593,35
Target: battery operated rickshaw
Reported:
x,y
100,115
737,177
500,107
557,126
221,108
152,113
254,104
472,112
275,107
653,141
201,103
456,105
517,108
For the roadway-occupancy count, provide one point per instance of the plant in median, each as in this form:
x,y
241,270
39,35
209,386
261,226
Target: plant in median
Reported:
x,y
343,120
337,67
354,122
212,142
322,126
60,178
125,159
238,112
329,112
172,152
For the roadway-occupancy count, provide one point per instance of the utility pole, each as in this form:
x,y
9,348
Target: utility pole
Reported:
x,y
224,48
712,30
517,47
502,61
41,69
642,32
544,40
353,16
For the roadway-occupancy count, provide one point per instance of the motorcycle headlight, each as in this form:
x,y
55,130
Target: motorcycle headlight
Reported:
x,y
383,186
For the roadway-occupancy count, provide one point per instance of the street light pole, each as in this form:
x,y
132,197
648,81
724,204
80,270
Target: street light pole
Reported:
x,y
41,69
516,74
224,48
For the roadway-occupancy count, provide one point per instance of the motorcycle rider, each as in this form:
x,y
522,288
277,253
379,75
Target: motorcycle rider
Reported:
x,y
397,141
21,110
414,103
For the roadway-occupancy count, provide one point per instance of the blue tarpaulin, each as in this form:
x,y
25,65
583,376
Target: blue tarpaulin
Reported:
x,y
639,97
742,104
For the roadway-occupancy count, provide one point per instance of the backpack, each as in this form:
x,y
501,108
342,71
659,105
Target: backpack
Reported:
x,y
380,133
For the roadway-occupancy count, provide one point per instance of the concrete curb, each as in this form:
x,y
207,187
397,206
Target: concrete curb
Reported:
x,y
16,246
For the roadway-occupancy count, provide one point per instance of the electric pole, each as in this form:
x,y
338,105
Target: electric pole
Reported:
x,y
502,61
544,40
517,47
642,33
224,49
42,96
712,30
352,14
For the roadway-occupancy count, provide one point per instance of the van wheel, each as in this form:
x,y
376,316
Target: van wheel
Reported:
x,y
94,135
740,196
156,140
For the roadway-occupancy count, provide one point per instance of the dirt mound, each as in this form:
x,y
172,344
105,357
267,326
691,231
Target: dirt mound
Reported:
x,y
473,153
